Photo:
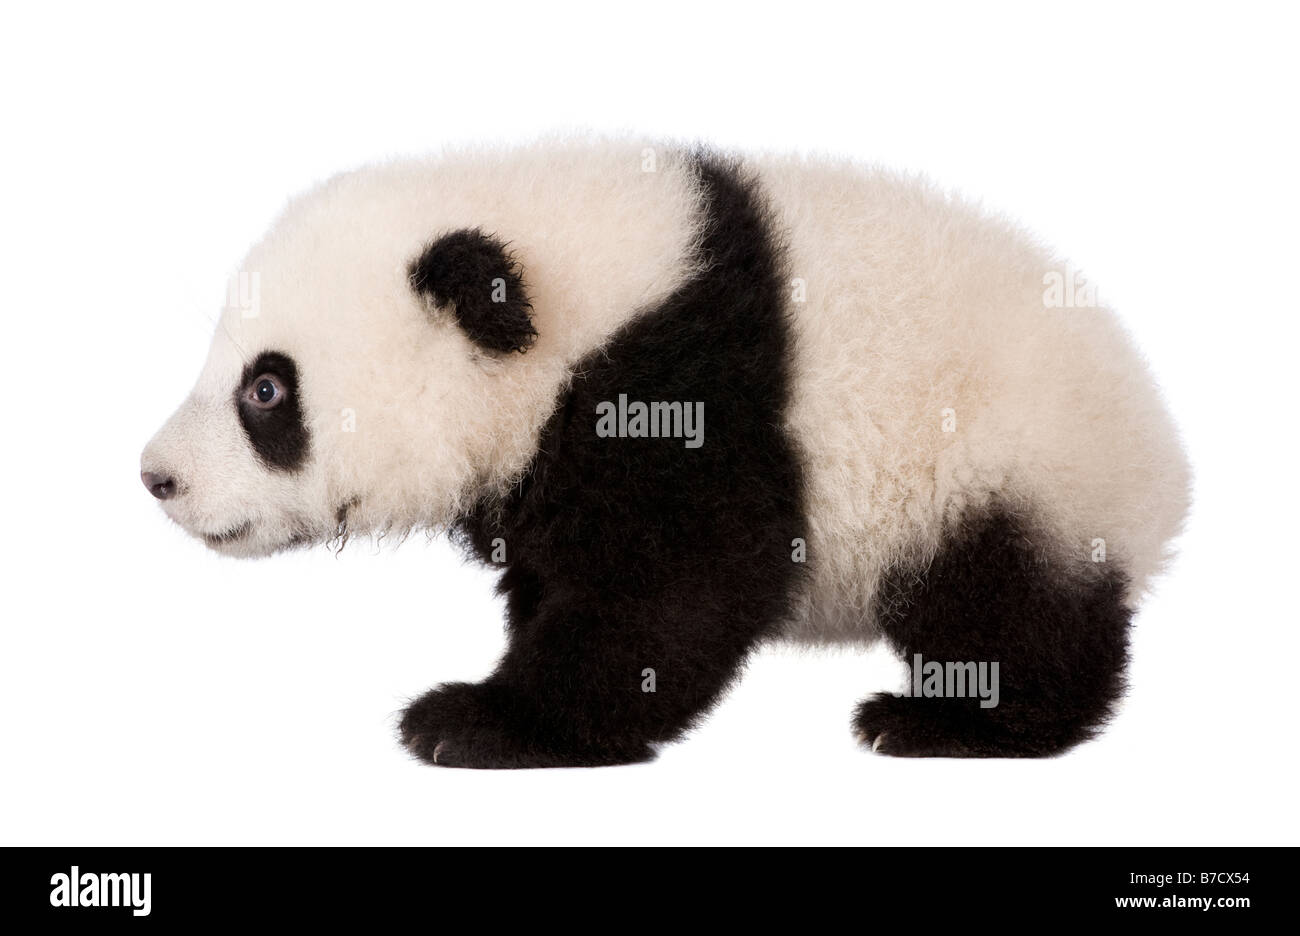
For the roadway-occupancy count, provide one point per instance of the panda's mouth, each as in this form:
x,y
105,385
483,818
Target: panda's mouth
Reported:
x,y
234,534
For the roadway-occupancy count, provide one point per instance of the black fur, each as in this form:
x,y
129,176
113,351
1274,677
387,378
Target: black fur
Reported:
x,y
279,435
632,554
462,270
1059,635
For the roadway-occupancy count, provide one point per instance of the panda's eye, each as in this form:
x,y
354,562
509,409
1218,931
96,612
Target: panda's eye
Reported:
x,y
265,392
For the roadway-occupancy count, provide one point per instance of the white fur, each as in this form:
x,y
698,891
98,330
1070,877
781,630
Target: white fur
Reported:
x,y
915,304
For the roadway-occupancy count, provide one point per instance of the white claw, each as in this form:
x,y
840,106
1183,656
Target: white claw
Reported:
x,y
875,745
438,750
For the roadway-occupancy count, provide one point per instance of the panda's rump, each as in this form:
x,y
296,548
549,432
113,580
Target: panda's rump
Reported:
x,y
932,379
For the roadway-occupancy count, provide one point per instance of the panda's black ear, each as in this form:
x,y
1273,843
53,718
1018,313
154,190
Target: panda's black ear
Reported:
x,y
474,274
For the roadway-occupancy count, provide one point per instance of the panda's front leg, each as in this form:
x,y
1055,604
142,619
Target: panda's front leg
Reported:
x,y
586,682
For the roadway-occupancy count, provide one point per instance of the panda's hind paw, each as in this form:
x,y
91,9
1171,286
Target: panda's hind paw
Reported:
x,y
906,726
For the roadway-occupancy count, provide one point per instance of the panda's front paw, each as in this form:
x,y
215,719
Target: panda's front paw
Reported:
x,y
458,725
482,725
902,726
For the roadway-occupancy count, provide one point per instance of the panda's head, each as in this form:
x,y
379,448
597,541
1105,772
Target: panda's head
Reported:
x,y
364,377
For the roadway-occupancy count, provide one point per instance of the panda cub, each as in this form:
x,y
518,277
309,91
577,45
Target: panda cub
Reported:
x,y
688,402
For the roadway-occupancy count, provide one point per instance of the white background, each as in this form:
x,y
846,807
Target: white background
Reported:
x,y
152,692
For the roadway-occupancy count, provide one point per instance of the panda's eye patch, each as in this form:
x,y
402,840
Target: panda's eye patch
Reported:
x,y
266,392
268,400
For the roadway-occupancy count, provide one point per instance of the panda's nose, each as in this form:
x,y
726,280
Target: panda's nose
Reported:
x,y
160,486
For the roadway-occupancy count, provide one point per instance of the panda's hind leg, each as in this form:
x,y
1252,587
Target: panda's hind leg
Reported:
x,y
998,593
